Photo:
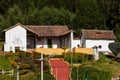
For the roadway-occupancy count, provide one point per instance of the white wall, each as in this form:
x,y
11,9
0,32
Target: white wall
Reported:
x,y
15,37
82,42
76,43
43,43
55,42
104,44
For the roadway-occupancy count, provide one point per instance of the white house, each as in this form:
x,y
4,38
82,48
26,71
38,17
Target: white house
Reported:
x,y
98,38
25,37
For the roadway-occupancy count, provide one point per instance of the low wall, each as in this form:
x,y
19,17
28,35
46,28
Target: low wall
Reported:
x,y
59,51
88,51
49,51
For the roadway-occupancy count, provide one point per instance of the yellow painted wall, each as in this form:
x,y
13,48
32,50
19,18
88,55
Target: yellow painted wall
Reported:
x,y
84,50
59,51
49,51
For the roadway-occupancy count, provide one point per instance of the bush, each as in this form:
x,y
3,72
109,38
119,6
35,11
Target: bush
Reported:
x,y
115,48
25,66
77,57
13,63
23,54
23,71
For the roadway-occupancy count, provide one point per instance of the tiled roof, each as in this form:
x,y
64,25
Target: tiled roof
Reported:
x,y
98,34
48,30
45,30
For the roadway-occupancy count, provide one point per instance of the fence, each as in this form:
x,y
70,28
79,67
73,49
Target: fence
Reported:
x,y
115,78
9,72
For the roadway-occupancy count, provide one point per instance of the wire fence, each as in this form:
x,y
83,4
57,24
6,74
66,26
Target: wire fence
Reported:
x,y
9,72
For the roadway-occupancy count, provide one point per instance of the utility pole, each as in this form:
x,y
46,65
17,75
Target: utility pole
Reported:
x,y
41,66
42,59
18,68
77,71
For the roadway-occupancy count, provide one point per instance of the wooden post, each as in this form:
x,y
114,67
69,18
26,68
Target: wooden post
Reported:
x,y
3,71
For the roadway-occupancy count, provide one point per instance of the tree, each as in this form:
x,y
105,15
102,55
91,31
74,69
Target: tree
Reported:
x,y
54,16
14,15
88,16
115,48
111,10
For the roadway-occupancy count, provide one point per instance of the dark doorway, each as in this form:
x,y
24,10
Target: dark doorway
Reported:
x,y
49,43
30,42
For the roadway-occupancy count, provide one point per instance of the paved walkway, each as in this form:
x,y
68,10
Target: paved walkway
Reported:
x,y
60,69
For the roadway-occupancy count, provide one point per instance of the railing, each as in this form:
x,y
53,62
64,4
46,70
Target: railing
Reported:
x,y
9,72
115,78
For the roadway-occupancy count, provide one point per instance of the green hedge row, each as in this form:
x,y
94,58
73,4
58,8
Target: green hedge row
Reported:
x,y
77,57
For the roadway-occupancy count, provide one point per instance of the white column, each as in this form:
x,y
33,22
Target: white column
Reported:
x,y
13,48
45,42
71,41
5,47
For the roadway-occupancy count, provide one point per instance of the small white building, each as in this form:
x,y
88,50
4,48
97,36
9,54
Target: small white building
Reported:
x,y
98,38
25,37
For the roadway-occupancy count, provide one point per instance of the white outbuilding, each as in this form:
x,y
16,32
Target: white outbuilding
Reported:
x,y
97,38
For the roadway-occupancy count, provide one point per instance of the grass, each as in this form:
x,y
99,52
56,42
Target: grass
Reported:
x,y
1,45
4,63
106,64
93,73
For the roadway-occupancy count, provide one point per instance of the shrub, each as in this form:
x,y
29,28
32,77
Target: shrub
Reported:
x,y
36,55
23,71
23,54
115,48
25,66
13,63
77,57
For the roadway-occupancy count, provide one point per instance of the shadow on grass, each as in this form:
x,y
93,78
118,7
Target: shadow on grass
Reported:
x,y
113,58
110,56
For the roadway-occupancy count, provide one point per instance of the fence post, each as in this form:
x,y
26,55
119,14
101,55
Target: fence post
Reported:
x,y
3,71
111,78
12,71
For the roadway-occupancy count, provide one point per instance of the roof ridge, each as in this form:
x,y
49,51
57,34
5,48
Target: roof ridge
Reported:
x,y
95,30
45,25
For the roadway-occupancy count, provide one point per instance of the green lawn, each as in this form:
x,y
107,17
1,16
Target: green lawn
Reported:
x,y
4,63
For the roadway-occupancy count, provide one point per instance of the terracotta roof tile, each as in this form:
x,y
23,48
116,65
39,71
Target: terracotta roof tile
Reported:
x,y
44,30
48,30
98,34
